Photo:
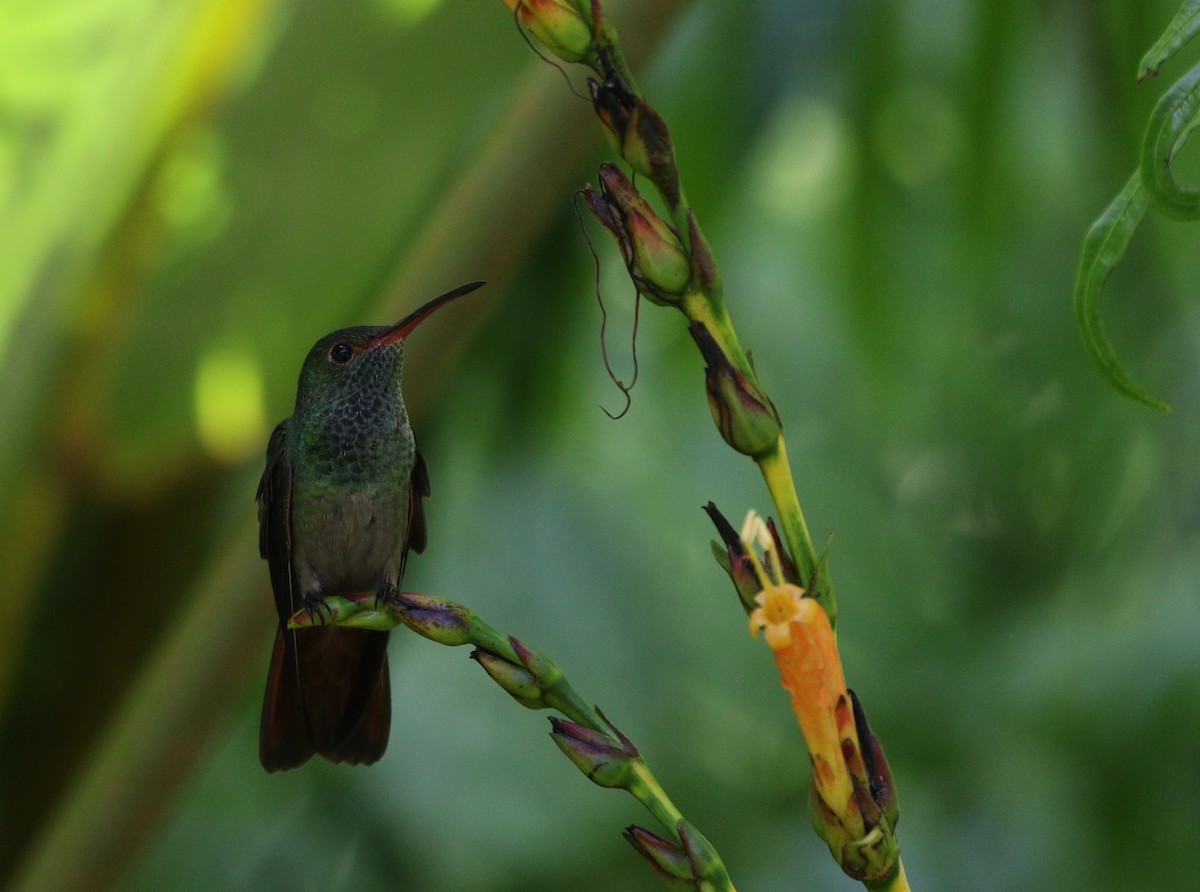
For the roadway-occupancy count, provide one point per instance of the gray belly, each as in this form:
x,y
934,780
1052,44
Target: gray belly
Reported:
x,y
349,543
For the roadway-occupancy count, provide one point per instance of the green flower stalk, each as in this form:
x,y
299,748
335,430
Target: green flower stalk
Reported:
x,y
853,803
594,744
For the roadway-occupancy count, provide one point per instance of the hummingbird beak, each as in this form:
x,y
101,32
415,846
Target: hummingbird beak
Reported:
x,y
401,329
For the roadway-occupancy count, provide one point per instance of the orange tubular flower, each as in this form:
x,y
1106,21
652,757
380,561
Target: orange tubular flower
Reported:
x,y
799,635
852,801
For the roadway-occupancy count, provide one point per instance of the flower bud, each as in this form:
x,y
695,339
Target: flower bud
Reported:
x,y
734,558
528,679
539,666
879,773
559,25
638,133
517,681
668,860
705,861
658,254
605,761
435,618
743,414
651,249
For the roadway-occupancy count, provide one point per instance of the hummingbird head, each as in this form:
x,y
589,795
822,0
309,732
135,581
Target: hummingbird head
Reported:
x,y
355,372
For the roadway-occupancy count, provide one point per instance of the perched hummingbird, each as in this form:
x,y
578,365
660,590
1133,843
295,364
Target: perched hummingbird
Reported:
x,y
339,508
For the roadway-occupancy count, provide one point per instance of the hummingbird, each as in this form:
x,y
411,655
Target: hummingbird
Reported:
x,y
339,509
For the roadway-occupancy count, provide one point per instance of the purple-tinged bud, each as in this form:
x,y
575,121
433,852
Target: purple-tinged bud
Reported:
x,y
668,859
540,666
879,773
606,761
638,133
435,618
743,414
559,25
658,254
517,681
651,249
705,861
528,679
735,559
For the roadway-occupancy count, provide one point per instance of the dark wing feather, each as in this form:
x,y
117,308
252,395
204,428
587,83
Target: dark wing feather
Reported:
x,y
275,520
285,739
417,535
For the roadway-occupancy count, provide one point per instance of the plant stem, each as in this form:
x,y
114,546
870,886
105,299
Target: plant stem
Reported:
x,y
647,790
897,882
777,473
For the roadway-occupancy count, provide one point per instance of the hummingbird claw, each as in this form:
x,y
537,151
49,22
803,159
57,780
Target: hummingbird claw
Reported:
x,y
320,612
387,594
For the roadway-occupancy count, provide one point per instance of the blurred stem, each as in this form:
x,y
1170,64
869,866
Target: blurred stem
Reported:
x,y
646,789
777,473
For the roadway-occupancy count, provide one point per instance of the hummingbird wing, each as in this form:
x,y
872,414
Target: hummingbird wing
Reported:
x,y
418,492
275,520
285,740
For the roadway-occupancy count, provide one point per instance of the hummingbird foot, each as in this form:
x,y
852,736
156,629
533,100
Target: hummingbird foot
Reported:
x,y
387,594
320,612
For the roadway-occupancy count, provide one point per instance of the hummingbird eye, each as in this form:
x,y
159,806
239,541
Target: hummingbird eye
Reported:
x,y
341,353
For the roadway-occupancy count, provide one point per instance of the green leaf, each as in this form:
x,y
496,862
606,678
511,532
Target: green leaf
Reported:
x,y
1103,248
1174,118
1182,28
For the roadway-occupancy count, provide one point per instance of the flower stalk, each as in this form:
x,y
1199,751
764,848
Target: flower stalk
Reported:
x,y
594,744
672,264
787,592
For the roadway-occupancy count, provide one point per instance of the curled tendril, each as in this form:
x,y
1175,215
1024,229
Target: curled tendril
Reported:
x,y
1175,116
1103,248
637,304
1153,184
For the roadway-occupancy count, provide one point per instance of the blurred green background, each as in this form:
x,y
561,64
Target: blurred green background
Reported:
x,y
193,191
